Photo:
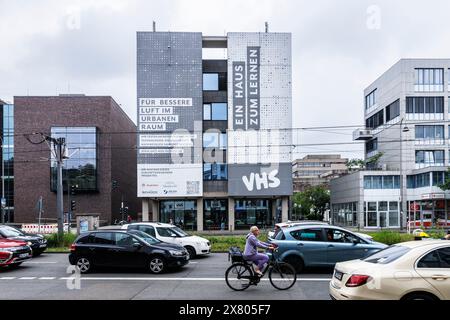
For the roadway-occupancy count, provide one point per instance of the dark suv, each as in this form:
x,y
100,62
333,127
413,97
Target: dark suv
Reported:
x,y
37,242
125,249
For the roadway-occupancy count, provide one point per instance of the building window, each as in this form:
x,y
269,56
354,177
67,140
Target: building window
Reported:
x,y
381,182
429,80
215,215
8,160
393,110
439,178
215,111
215,140
421,105
182,213
371,99
376,120
372,145
382,214
210,81
252,213
429,132
81,167
345,214
418,181
430,157
215,81
215,171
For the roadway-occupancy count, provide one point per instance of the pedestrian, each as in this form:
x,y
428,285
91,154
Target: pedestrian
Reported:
x,y
129,219
171,221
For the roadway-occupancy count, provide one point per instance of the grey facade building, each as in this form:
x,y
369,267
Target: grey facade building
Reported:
x,y
317,170
214,140
406,116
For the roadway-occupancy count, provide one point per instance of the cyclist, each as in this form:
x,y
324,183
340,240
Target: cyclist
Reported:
x,y
251,250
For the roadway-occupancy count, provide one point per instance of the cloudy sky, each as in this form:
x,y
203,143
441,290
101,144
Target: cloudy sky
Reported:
x,y
49,47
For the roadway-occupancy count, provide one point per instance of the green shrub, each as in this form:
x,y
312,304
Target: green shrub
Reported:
x,y
65,242
391,237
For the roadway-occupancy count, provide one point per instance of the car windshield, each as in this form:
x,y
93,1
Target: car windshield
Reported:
x,y
179,232
387,255
11,232
144,236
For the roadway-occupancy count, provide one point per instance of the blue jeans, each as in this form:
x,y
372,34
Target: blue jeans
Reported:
x,y
260,259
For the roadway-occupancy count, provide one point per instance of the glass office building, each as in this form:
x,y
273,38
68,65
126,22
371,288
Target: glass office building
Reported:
x,y
8,159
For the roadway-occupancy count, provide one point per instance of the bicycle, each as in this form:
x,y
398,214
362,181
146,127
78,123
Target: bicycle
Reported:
x,y
241,274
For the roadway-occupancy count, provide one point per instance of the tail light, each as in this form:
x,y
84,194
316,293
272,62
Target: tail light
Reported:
x,y
357,280
73,247
5,256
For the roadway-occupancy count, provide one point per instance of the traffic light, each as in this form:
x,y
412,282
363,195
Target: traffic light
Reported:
x,y
115,184
73,190
72,205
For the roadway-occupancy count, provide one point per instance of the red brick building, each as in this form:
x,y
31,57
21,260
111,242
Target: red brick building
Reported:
x,y
101,142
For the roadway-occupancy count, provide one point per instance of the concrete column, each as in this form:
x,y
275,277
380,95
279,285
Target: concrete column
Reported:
x,y
155,210
274,210
230,214
285,208
145,205
200,214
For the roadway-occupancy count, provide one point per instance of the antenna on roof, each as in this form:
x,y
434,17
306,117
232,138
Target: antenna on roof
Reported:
x,y
267,26
154,26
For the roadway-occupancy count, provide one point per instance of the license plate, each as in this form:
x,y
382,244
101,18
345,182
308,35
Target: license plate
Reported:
x,y
338,275
24,255
42,246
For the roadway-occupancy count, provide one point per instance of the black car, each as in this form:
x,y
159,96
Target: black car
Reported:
x,y
37,242
125,249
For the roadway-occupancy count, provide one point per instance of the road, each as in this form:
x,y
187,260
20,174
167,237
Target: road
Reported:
x,y
47,277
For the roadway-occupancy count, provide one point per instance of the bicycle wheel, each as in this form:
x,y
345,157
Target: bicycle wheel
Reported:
x,y
238,276
282,276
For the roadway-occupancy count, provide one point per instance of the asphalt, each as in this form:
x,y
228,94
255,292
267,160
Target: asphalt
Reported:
x,y
48,277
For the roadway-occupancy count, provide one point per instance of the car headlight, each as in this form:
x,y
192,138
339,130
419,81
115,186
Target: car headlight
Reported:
x,y
177,253
29,243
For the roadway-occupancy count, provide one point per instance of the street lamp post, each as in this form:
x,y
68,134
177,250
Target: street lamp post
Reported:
x,y
402,207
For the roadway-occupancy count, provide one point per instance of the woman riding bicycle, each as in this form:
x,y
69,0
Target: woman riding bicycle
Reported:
x,y
251,250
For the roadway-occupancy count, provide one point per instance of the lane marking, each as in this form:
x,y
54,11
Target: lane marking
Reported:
x,y
41,262
47,278
174,279
7,278
27,278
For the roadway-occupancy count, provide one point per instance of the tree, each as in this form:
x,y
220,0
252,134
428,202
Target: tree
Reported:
x,y
359,164
313,202
446,185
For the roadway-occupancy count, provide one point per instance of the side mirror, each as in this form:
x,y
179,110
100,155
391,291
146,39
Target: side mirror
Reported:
x,y
137,245
355,241
173,235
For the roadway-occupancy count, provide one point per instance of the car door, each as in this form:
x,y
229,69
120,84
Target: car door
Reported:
x,y
103,249
434,267
167,235
129,251
343,246
310,243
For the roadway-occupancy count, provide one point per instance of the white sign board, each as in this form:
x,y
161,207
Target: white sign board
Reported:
x,y
170,180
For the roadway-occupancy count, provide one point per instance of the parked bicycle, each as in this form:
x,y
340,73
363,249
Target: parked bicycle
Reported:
x,y
241,274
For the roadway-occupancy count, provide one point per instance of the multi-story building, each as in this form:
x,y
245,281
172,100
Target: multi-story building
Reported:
x,y
317,170
101,150
214,142
407,124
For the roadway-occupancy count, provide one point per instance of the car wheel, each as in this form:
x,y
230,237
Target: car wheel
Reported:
x,y
157,265
191,252
420,296
84,265
296,262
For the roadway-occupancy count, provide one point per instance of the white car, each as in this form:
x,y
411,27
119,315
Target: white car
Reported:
x,y
416,270
169,233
